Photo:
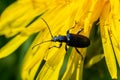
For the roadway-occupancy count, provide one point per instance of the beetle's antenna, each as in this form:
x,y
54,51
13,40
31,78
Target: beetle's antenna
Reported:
x,y
40,43
48,27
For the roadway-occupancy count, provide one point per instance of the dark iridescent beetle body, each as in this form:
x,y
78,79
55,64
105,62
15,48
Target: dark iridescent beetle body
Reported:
x,y
78,41
73,40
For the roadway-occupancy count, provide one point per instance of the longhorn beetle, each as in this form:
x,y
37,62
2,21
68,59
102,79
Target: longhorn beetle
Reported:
x,y
73,40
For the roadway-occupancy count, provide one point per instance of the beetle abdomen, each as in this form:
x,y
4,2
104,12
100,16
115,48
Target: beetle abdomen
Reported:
x,y
79,41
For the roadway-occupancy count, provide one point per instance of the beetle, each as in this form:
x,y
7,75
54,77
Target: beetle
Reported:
x,y
73,40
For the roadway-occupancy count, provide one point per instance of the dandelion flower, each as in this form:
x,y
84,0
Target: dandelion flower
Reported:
x,y
42,63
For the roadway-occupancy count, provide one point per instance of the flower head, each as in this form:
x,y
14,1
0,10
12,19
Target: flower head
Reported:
x,y
55,63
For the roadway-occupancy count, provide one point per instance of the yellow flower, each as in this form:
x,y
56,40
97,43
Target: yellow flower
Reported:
x,y
24,19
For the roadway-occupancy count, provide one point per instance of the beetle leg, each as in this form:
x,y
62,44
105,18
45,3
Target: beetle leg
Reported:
x,y
80,31
66,48
56,46
79,53
68,31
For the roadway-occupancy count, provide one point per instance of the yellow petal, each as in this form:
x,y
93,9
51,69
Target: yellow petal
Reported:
x,y
114,34
93,13
108,52
13,24
12,45
94,60
106,41
49,72
74,67
115,7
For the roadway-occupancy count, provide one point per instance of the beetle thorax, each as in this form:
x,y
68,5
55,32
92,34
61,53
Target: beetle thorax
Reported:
x,y
59,38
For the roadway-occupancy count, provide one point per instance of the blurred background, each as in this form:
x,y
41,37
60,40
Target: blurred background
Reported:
x,y
10,66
